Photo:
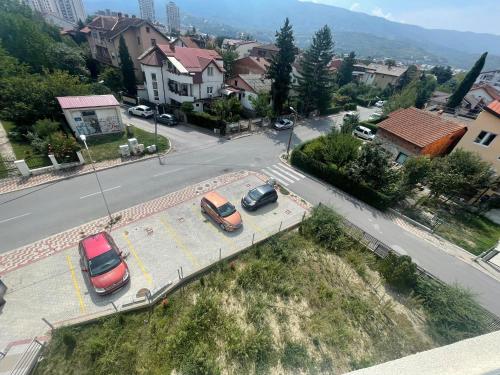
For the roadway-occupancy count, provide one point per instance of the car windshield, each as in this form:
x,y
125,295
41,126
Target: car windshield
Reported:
x,y
226,210
103,263
255,194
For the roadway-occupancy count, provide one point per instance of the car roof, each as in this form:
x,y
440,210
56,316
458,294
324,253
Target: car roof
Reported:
x,y
363,128
263,189
143,106
215,198
95,245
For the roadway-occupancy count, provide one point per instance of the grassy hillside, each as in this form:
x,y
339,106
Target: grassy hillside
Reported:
x,y
298,302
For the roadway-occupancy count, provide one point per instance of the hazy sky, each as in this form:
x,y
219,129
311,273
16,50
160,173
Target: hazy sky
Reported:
x,y
464,15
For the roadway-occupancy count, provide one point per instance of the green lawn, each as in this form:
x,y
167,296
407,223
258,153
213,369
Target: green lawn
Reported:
x,y
3,168
472,232
105,147
24,150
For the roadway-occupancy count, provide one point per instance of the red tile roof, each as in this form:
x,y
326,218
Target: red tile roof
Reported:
x,y
89,101
419,127
494,108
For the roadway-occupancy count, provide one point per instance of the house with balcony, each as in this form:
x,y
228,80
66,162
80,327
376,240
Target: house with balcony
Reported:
x,y
174,75
103,35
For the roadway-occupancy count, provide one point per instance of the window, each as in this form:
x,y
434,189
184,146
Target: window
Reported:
x,y
147,29
236,82
485,138
210,71
210,90
153,76
153,42
401,158
138,41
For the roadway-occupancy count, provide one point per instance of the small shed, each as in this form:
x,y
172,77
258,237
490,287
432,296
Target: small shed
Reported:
x,y
92,114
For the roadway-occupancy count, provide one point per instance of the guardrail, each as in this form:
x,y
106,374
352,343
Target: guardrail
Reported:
x,y
29,359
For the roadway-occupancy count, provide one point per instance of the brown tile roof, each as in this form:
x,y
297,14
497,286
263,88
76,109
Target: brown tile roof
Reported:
x,y
419,127
270,47
494,108
188,41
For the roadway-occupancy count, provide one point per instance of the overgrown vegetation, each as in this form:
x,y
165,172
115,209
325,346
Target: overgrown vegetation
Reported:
x,y
309,301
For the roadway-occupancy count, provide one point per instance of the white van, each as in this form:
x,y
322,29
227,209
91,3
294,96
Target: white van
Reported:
x,y
362,132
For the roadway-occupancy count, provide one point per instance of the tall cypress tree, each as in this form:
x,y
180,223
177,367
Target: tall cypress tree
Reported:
x,y
316,81
464,87
344,76
281,66
127,68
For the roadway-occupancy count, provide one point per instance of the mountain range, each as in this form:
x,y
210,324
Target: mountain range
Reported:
x,y
366,35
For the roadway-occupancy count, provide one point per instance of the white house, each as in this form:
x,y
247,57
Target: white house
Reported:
x,y
92,114
242,47
174,75
491,77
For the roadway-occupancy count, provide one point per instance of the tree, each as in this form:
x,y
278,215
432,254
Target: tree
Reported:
x,y
416,94
261,104
229,57
66,58
341,149
127,68
349,123
219,39
464,87
390,63
416,170
344,75
187,107
112,78
442,73
315,81
462,174
227,109
281,66
399,271
406,78
373,166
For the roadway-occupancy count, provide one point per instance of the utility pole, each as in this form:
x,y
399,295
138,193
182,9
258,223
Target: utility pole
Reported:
x,y
156,127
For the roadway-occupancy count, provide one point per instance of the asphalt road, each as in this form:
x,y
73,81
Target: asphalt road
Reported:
x,y
32,214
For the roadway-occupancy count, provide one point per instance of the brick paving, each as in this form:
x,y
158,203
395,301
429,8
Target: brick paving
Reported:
x,y
46,247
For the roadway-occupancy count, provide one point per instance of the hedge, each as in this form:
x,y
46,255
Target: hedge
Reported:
x,y
332,110
369,125
205,120
350,107
364,102
331,174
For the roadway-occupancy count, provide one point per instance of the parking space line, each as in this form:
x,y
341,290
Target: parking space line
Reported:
x,y
138,260
76,285
247,218
210,225
172,233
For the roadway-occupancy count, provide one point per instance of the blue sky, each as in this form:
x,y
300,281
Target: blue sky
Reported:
x,y
463,15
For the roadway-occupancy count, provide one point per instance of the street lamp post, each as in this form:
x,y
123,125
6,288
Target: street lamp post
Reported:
x,y
291,131
84,140
156,127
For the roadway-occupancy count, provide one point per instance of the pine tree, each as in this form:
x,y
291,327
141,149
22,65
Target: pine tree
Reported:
x,y
464,87
127,68
344,76
281,66
315,80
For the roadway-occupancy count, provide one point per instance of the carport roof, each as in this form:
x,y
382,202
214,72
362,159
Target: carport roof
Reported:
x,y
89,101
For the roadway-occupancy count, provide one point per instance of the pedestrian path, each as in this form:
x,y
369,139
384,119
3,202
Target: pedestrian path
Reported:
x,y
283,174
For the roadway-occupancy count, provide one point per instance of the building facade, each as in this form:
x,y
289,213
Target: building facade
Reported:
x,y
147,10
378,74
483,136
104,32
174,75
173,17
491,77
241,47
70,11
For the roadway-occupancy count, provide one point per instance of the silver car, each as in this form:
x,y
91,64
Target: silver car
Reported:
x,y
141,110
283,124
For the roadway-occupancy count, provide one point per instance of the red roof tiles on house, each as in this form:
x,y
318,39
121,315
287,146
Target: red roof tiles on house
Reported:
x,y
494,107
90,101
419,127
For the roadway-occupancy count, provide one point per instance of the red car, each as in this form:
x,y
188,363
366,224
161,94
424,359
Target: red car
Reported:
x,y
102,260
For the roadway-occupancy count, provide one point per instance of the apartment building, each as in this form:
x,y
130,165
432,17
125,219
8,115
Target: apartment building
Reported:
x,y
147,10
173,18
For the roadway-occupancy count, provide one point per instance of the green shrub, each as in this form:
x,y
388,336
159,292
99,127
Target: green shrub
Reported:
x,y
205,120
340,149
187,107
399,271
331,111
453,314
350,107
315,149
62,146
332,175
324,226
69,341
45,127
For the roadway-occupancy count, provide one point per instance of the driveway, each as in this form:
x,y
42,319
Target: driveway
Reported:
x,y
162,247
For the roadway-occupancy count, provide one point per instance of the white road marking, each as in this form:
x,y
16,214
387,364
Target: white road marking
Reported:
x,y
167,172
291,170
281,175
105,190
287,172
270,174
14,218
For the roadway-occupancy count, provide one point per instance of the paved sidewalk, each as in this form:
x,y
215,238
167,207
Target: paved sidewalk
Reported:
x,y
6,150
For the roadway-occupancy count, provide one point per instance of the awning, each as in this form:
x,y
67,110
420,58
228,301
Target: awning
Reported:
x,y
177,65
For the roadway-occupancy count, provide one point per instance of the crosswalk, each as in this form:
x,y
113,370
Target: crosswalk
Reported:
x,y
283,174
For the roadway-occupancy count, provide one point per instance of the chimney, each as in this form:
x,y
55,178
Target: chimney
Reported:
x,y
119,14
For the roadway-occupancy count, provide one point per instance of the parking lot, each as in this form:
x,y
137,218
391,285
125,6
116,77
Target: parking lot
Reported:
x,y
161,248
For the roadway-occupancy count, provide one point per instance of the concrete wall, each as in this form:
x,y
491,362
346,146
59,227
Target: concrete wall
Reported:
x,y
490,123
109,120
395,145
382,80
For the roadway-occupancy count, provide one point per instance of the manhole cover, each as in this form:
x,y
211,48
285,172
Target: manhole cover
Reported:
x,y
199,188
207,185
144,292
214,182
180,220
288,212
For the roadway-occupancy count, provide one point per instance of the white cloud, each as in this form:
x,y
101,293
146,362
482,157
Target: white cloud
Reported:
x,y
355,7
380,13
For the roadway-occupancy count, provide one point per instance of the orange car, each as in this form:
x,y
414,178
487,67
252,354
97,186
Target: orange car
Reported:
x,y
221,211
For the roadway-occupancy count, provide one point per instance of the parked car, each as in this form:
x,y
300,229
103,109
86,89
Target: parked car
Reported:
x,y
363,132
351,114
283,124
259,196
141,110
221,211
380,103
103,262
375,116
167,119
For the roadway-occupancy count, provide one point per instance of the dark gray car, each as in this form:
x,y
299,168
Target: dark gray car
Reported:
x,y
167,119
259,197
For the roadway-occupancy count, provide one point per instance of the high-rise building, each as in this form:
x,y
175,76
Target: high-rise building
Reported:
x,y
173,19
70,11
147,9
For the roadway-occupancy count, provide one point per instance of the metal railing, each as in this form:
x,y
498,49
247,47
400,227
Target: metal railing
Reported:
x,y
29,359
